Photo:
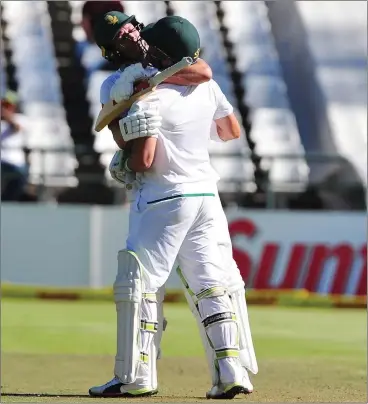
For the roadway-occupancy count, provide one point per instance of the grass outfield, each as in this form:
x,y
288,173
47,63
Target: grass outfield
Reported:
x,y
59,349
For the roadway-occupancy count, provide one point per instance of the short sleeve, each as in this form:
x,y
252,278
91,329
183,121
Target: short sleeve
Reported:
x,y
106,87
223,106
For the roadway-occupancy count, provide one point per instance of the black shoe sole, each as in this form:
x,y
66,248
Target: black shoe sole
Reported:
x,y
229,395
117,395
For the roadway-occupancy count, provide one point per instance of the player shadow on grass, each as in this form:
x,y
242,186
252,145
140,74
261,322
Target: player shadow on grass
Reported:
x,y
45,395
79,396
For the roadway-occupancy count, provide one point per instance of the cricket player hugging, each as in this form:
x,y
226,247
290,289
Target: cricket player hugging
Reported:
x,y
177,219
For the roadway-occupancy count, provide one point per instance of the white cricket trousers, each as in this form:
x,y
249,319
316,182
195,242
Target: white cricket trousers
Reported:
x,y
181,230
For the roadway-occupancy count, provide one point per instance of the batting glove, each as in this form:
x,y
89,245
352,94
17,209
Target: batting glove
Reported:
x,y
119,171
124,85
143,120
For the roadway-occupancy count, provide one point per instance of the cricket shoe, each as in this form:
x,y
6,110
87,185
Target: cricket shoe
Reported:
x,y
229,391
115,388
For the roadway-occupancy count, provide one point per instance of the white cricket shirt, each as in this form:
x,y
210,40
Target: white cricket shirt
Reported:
x,y
106,87
182,163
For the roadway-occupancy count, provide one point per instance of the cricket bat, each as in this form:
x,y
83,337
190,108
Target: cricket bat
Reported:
x,y
112,110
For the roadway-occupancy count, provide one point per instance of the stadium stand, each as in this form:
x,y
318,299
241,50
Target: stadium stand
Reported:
x,y
102,142
74,81
274,129
324,66
39,91
8,78
339,48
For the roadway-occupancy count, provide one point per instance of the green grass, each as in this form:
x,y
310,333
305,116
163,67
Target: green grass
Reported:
x,y
300,350
34,326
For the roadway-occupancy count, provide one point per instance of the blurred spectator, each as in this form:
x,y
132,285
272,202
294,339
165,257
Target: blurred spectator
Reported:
x,y
14,155
87,51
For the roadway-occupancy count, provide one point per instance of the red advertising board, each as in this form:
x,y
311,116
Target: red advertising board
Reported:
x,y
319,253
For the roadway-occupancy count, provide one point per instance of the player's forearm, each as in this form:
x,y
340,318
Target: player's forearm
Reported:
x,y
228,128
136,164
195,74
143,154
225,136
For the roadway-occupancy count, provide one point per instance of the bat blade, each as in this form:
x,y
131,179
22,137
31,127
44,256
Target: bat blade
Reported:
x,y
111,111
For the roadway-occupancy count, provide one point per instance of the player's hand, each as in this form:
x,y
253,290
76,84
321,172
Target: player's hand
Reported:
x,y
124,85
117,170
143,120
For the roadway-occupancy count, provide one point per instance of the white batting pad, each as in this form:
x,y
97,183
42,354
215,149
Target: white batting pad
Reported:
x,y
222,329
128,296
213,310
247,354
148,347
161,320
210,353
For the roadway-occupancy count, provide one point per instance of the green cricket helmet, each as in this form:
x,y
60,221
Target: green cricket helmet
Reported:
x,y
106,33
171,37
